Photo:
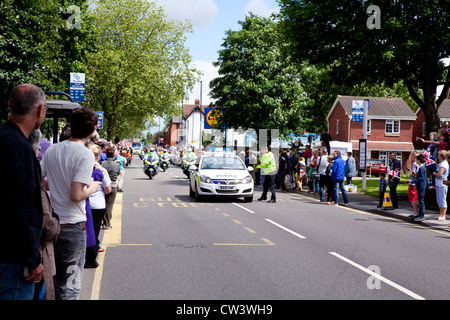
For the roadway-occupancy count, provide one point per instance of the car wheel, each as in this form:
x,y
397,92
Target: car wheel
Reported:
x,y
248,199
198,197
191,192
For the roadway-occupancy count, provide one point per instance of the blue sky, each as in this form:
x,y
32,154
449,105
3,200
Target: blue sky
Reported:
x,y
210,20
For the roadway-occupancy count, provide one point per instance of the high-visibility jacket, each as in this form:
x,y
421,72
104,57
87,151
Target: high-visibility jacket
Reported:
x,y
189,155
268,164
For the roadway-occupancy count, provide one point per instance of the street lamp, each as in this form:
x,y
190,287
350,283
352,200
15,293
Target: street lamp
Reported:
x,y
200,117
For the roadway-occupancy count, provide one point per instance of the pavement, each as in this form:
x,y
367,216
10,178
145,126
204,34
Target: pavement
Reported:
x,y
361,201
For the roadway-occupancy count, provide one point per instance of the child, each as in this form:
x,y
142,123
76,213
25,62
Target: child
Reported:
x,y
382,188
312,169
412,192
421,182
441,189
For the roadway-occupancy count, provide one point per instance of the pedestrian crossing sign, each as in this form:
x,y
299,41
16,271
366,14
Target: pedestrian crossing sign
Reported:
x,y
387,203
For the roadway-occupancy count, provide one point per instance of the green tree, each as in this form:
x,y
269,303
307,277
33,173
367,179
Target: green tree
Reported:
x,y
141,68
29,49
38,46
258,86
409,46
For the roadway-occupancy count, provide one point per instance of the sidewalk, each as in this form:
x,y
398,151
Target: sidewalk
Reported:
x,y
361,201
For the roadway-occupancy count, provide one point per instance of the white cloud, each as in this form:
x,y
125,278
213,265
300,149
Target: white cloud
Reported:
x,y
209,72
199,12
260,8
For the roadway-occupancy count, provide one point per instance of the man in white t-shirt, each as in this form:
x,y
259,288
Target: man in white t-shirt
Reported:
x,y
68,167
322,163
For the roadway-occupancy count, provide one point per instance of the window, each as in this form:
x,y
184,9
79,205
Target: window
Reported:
x,y
337,126
424,129
368,126
392,127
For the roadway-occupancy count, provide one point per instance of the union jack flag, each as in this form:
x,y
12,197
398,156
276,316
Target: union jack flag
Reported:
x,y
395,174
428,158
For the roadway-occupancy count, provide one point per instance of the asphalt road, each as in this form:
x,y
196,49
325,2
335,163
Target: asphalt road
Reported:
x,y
166,246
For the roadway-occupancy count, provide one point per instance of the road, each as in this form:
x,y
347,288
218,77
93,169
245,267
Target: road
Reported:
x,y
166,246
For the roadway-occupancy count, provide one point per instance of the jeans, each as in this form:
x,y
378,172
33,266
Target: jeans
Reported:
x,y
12,283
70,252
322,182
393,192
339,184
380,199
421,196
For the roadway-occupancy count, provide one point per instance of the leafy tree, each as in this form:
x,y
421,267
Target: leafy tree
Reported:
x,y
258,86
141,68
409,46
29,49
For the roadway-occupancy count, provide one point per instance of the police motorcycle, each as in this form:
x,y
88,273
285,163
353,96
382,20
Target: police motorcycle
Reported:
x,y
151,161
165,161
189,159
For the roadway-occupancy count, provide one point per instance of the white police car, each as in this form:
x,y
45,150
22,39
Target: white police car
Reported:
x,y
220,174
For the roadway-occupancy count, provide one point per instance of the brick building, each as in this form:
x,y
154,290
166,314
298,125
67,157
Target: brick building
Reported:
x,y
187,128
389,127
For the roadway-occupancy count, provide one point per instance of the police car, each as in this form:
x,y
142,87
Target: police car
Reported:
x,y
220,174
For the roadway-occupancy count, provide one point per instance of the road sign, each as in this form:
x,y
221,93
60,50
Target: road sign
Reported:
x,y
357,110
387,203
77,82
213,119
362,155
100,120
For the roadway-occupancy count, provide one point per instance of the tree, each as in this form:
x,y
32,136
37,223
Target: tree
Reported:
x,y
409,46
141,68
29,49
258,86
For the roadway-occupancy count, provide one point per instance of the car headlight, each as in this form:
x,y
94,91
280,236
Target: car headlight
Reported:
x,y
247,179
205,179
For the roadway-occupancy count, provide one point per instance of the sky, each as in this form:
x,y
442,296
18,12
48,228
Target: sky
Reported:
x,y
210,20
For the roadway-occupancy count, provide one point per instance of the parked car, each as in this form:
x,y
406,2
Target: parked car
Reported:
x,y
375,166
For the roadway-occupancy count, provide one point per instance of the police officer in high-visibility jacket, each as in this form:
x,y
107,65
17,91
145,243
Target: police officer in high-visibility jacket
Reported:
x,y
268,168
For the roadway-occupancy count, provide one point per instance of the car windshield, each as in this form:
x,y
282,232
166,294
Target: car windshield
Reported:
x,y
222,162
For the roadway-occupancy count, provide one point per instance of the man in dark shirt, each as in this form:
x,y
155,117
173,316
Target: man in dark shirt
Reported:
x,y
326,138
20,195
395,166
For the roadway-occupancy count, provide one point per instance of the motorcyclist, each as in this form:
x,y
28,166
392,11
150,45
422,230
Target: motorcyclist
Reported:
x,y
164,153
164,157
152,154
189,154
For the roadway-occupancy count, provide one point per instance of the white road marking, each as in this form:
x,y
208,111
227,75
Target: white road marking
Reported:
x,y
286,229
381,278
243,208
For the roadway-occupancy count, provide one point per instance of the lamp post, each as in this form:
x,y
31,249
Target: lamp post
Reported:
x,y
200,117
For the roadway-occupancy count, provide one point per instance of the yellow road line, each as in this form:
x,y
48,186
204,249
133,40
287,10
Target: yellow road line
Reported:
x,y
110,237
250,230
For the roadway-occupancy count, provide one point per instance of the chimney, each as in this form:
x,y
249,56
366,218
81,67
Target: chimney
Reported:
x,y
197,102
